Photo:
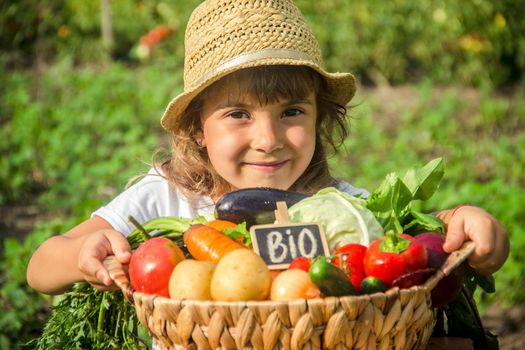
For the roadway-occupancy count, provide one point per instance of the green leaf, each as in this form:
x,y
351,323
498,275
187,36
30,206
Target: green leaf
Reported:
x,y
390,202
423,182
239,231
487,283
473,280
393,243
462,322
392,194
422,222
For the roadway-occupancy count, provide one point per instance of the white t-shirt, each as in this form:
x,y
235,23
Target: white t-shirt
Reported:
x,y
154,197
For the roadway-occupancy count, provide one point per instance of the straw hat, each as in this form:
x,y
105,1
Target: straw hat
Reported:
x,y
223,36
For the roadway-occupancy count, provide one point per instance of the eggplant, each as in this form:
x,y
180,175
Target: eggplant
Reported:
x,y
254,205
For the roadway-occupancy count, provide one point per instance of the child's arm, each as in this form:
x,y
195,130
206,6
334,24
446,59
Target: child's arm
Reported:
x,y
75,256
475,224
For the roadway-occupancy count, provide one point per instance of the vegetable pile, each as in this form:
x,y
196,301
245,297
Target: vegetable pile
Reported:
x,y
375,244
221,268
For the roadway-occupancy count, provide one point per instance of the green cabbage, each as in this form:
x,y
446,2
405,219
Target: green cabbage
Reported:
x,y
344,218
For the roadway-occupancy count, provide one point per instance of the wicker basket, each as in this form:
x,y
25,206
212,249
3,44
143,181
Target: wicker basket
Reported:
x,y
397,319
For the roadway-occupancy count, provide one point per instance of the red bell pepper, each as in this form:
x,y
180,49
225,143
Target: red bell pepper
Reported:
x,y
301,263
393,256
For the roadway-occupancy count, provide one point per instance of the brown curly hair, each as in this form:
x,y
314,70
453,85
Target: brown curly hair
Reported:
x,y
189,168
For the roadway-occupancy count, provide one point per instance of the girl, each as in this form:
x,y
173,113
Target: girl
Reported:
x,y
258,109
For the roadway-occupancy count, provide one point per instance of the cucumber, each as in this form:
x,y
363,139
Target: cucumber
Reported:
x,y
255,206
330,279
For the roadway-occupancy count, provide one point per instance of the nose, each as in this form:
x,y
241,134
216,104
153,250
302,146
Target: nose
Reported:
x,y
267,135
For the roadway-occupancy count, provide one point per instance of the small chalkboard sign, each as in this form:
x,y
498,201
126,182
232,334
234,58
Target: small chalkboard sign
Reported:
x,y
280,243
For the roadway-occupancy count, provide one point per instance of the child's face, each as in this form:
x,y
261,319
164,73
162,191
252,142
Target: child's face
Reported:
x,y
253,145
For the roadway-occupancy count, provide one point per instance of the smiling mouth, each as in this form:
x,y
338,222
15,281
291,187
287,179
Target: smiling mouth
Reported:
x,y
266,166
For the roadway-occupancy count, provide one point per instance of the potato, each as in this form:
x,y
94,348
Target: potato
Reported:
x,y
191,279
241,275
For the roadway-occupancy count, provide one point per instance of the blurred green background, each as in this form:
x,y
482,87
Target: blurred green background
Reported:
x,y
79,113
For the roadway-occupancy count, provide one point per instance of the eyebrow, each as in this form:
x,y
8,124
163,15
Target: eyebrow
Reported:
x,y
239,103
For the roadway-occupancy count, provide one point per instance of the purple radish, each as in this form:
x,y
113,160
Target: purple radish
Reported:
x,y
449,287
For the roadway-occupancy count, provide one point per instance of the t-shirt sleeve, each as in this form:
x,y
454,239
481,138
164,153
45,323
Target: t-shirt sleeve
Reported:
x,y
351,190
142,201
150,198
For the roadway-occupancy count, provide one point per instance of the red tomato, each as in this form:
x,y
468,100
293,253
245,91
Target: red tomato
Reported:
x,y
393,256
151,265
350,258
355,276
351,253
301,263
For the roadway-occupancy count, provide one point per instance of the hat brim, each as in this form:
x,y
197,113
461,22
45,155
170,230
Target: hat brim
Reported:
x,y
341,86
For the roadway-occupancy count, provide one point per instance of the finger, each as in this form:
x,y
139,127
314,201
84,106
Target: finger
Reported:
x,y
483,252
95,282
455,236
492,262
103,276
95,273
90,264
119,245
483,233
101,285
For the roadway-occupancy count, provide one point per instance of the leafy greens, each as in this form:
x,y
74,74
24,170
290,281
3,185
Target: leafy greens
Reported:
x,y
391,203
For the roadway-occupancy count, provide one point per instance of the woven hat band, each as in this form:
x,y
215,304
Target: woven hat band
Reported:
x,y
252,57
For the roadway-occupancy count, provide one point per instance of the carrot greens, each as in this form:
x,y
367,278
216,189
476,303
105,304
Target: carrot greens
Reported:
x,y
85,318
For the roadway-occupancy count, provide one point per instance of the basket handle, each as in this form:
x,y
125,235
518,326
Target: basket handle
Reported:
x,y
454,260
118,274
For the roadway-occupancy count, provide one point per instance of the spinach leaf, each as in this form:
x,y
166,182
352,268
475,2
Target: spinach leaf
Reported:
x,y
424,182
391,203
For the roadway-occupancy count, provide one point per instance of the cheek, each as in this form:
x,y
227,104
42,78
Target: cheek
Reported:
x,y
302,138
222,144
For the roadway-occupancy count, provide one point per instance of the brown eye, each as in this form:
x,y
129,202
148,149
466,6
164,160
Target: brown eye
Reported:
x,y
292,112
238,115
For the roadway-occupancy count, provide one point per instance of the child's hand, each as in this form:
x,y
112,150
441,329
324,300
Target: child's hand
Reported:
x,y
95,249
475,224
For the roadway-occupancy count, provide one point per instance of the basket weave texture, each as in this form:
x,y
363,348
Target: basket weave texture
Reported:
x,y
397,319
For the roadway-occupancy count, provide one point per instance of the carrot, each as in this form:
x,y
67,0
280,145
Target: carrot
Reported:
x,y
220,225
208,244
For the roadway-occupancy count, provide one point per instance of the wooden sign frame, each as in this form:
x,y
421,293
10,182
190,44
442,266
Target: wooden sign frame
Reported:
x,y
285,228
